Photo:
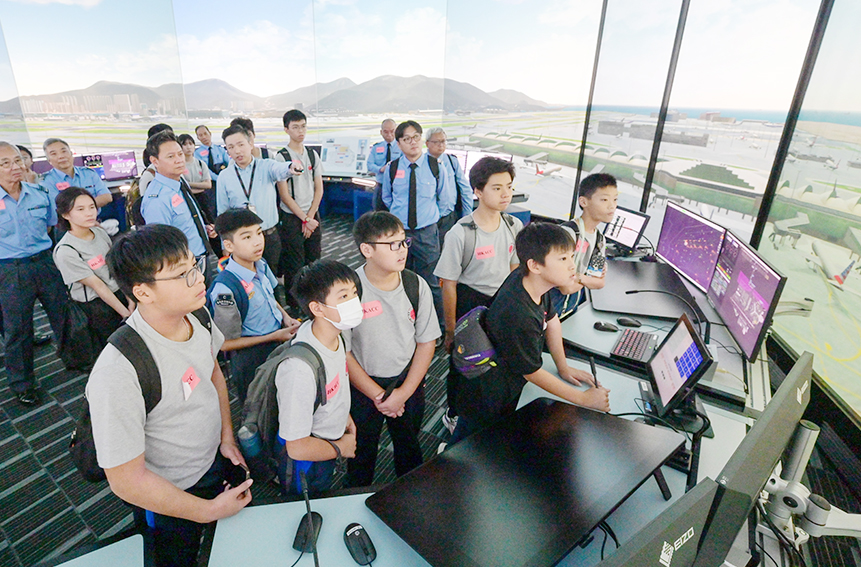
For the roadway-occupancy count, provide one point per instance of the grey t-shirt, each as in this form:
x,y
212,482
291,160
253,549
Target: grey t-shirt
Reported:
x,y
386,340
302,185
491,261
297,387
91,261
196,172
179,436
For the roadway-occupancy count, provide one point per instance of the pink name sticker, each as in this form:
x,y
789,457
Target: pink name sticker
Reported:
x,y
176,200
412,315
62,185
185,172
511,248
582,246
247,286
190,381
97,262
204,153
400,174
371,309
333,387
2,205
380,149
485,252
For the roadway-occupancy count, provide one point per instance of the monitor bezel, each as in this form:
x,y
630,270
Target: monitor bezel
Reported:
x,y
696,284
766,323
687,388
639,234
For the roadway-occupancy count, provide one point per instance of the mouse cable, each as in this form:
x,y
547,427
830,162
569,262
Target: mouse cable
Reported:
x,y
660,420
603,543
301,553
643,236
606,527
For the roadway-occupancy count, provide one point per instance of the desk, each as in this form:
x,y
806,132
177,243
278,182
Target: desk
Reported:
x,y
127,552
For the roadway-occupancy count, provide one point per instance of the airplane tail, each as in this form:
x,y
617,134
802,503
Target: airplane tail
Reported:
x,y
845,274
537,170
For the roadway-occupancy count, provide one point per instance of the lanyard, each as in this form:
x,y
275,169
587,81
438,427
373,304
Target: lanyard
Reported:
x,y
250,183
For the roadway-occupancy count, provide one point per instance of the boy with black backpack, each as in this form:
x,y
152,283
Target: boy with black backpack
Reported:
x,y
391,351
168,459
478,254
242,298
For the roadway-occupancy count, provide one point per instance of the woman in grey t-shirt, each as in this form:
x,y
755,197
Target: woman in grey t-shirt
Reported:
x,y
80,257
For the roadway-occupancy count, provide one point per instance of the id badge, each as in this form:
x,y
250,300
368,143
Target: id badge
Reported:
x,y
251,208
592,272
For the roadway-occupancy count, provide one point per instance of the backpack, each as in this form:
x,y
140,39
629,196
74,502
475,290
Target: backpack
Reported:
x,y
234,284
312,157
82,447
393,172
261,405
469,231
472,352
134,202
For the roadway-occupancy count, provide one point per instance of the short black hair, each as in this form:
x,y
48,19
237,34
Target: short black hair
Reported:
x,y
537,240
244,122
22,149
592,183
183,139
314,281
138,255
294,115
231,220
487,166
66,202
373,225
402,127
235,129
154,143
156,128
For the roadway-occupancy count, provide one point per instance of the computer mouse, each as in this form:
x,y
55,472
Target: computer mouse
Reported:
x,y
606,327
359,544
628,322
306,535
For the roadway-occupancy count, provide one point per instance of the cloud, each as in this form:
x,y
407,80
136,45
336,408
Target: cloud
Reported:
x,y
83,3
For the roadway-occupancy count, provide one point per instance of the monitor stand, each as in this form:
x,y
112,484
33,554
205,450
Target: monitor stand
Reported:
x,y
682,418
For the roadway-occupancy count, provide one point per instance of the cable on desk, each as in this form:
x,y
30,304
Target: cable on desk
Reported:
x,y
605,526
781,537
767,554
643,236
643,414
694,466
301,553
603,543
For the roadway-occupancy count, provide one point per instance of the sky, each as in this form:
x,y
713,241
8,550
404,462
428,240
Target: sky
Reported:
x,y
735,53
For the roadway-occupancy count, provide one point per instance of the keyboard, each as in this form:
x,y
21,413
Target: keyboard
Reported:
x,y
635,345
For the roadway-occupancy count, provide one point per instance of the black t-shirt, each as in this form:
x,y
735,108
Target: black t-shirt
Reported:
x,y
515,325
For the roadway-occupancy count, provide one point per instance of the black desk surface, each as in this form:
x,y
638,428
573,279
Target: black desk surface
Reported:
x,y
525,491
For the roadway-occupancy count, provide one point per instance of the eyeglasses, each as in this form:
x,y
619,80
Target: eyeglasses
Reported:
x,y
397,244
190,275
437,141
412,139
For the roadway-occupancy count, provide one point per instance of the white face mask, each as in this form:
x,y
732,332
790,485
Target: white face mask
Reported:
x,y
351,314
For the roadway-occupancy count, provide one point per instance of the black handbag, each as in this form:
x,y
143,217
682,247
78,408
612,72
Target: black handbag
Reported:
x,y
76,346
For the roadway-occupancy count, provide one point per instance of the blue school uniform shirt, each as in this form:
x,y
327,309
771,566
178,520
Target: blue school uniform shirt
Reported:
x,y
263,316
85,178
264,196
377,158
455,181
396,195
24,223
219,155
163,203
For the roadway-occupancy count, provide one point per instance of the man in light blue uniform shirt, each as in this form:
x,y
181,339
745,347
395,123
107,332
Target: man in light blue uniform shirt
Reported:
x,y
381,154
249,182
421,213
67,174
215,157
27,271
165,202
455,201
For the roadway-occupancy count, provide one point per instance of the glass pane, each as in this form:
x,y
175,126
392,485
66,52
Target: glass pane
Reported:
x,y
814,230
12,126
728,107
519,83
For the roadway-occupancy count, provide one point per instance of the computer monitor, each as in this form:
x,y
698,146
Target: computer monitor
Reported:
x,y
119,166
744,290
673,537
42,166
94,162
461,157
690,244
626,228
677,365
750,466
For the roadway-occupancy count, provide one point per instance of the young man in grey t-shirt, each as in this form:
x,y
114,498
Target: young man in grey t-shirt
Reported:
x,y
390,352
168,464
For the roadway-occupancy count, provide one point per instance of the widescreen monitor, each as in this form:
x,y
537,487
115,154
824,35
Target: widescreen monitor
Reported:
x,y
95,163
690,244
626,228
461,157
42,166
744,290
750,466
119,166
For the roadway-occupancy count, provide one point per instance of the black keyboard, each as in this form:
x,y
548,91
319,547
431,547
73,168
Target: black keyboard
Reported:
x,y
635,345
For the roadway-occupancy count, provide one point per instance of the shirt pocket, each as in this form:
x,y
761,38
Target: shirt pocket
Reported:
x,y
7,225
40,215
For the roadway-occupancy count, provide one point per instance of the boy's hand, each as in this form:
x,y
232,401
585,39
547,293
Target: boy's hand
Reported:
x,y
394,404
347,442
231,501
448,341
210,231
296,168
232,452
597,398
312,224
287,333
575,376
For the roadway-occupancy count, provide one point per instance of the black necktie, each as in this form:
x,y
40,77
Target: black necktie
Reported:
x,y
411,219
211,162
388,152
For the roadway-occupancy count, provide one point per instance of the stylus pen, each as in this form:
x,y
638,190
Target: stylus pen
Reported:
x,y
594,373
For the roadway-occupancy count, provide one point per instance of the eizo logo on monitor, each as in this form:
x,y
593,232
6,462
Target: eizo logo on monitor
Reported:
x,y
799,392
667,550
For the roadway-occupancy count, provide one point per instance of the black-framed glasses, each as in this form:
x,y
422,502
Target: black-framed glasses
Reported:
x,y
397,244
189,275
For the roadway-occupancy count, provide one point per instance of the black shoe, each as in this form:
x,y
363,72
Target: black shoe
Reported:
x,y
41,338
29,397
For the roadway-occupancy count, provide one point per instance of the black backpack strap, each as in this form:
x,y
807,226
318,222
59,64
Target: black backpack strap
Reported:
x,y
204,317
393,169
411,286
234,284
469,236
78,252
132,346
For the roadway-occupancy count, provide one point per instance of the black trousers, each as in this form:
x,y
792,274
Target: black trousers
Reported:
x,y
244,363
404,431
296,250
467,300
21,283
102,319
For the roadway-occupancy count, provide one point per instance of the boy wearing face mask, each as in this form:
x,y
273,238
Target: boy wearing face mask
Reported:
x,y
390,352
327,291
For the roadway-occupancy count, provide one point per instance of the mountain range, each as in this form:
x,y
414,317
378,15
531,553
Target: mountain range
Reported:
x,y
387,93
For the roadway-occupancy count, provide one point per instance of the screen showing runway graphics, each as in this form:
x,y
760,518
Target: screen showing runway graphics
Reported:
x,y
626,227
120,165
744,292
690,244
